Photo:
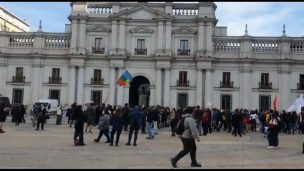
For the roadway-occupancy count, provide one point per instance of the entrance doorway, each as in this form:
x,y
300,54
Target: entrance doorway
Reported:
x,y
139,91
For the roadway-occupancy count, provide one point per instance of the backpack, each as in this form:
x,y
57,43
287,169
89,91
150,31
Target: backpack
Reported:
x,y
179,130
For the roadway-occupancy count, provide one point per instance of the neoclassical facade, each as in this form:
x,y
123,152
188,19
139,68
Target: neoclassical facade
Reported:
x,y
176,54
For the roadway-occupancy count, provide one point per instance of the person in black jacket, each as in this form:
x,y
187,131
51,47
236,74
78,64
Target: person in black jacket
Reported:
x,y
41,117
116,121
136,117
16,114
155,118
98,111
79,125
125,114
73,114
237,121
150,123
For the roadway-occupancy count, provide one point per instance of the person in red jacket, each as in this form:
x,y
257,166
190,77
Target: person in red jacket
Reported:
x,y
206,121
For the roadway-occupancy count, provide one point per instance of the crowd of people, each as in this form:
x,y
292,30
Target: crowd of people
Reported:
x,y
113,120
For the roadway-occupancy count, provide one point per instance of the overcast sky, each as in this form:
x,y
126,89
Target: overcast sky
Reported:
x,y
263,18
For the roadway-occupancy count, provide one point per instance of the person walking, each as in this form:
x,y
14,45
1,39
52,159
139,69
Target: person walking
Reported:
x,y
16,114
73,114
237,121
104,124
125,114
91,118
3,114
23,112
41,117
188,139
116,121
80,119
273,130
150,123
135,124
155,117
173,121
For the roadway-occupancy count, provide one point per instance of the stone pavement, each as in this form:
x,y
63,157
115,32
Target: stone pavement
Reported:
x,y
22,147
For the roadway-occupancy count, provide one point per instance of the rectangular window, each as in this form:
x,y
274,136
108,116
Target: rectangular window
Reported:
x,y
96,97
98,43
264,79
182,100
54,94
55,73
97,75
140,49
184,44
140,43
226,78
183,77
302,80
19,72
17,96
226,102
265,101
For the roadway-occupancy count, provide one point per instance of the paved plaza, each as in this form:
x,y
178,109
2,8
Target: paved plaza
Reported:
x,y
22,147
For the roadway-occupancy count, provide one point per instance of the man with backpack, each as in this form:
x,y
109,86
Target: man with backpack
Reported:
x,y
187,131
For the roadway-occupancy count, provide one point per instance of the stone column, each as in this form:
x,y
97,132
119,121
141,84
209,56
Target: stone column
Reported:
x,y
160,30
126,90
208,88
82,36
152,96
167,88
199,87
72,85
200,43
208,38
35,82
74,35
3,68
112,86
113,34
158,87
246,92
120,92
284,91
122,33
168,35
80,85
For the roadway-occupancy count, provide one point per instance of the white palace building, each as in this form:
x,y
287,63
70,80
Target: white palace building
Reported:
x,y
175,53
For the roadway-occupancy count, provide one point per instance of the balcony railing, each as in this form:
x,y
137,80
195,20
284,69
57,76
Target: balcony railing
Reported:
x,y
140,51
226,84
300,86
98,50
180,83
95,81
54,80
18,79
99,10
265,85
183,52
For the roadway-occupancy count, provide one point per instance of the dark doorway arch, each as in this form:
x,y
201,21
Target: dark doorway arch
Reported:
x,y
139,93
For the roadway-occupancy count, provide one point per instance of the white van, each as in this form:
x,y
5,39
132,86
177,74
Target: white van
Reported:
x,y
50,105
